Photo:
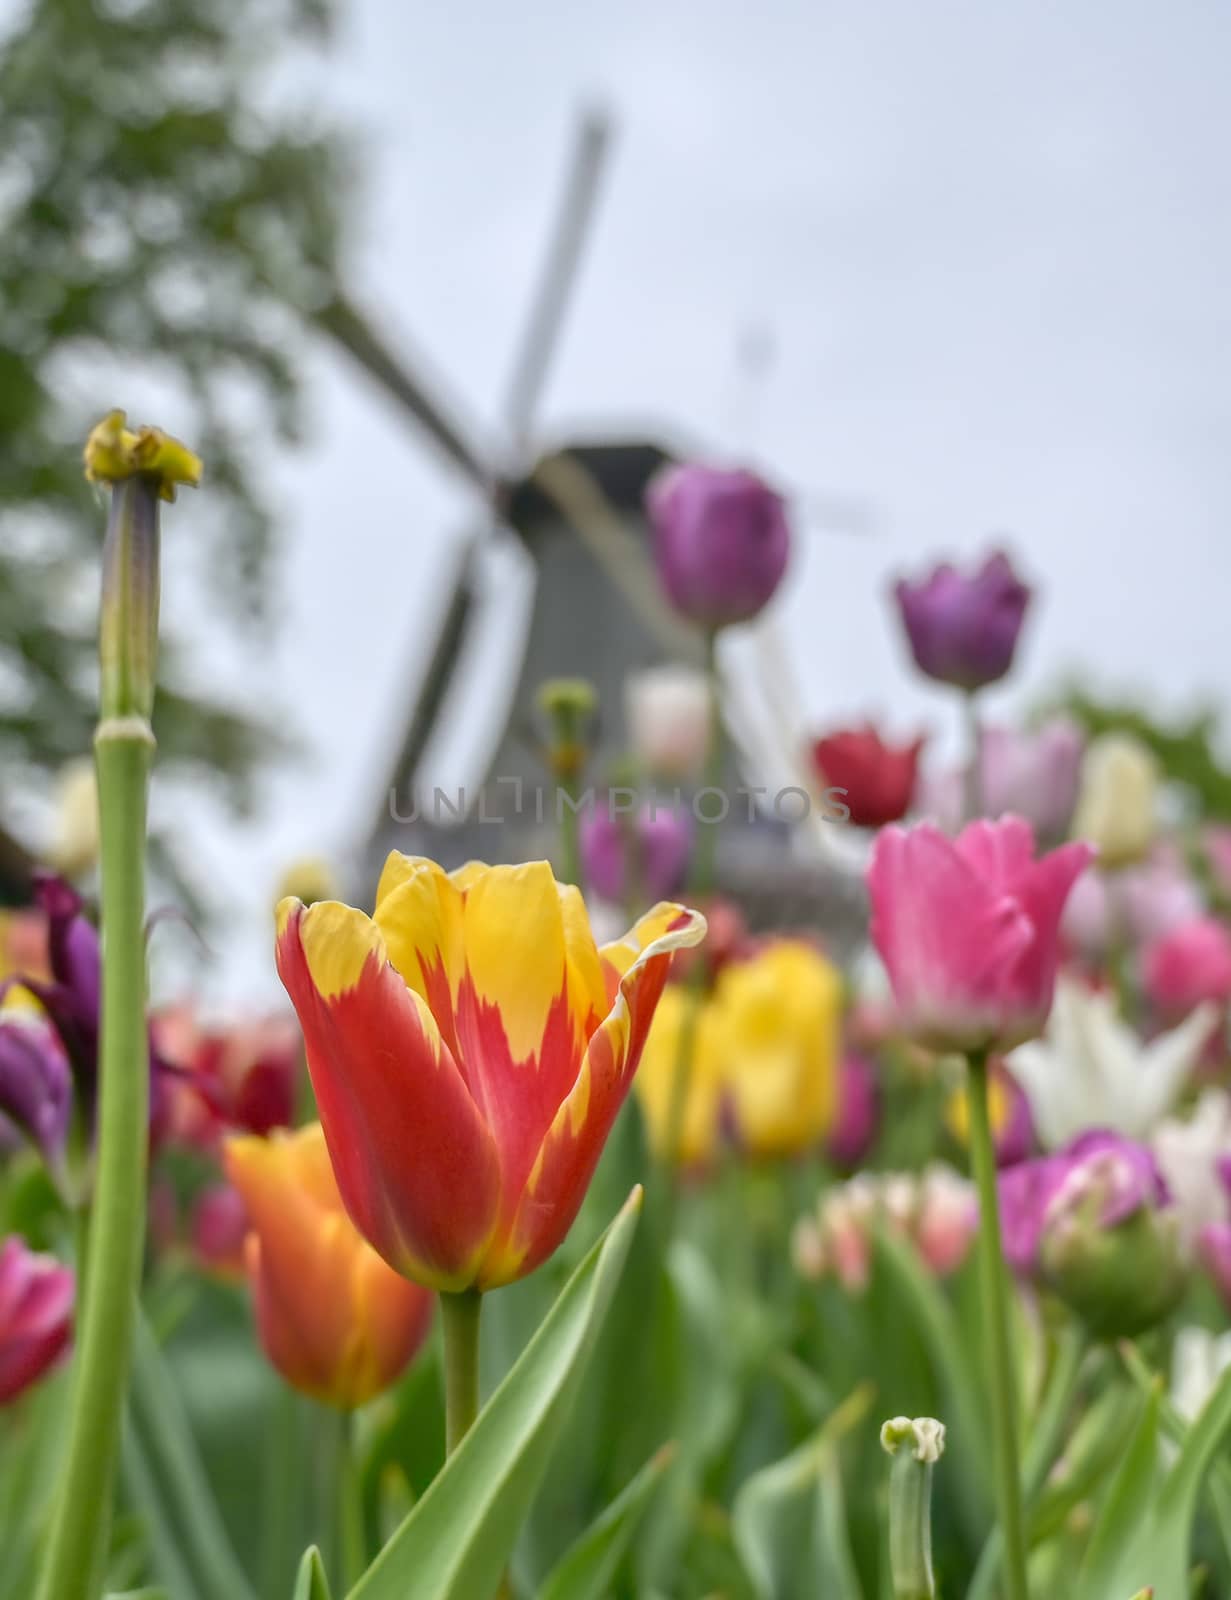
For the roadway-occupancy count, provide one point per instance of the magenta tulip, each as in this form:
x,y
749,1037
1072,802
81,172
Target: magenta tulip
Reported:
x,y
968,930
644,855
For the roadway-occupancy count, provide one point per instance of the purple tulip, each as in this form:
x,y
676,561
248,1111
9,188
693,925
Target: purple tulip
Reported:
x,y
721,541
72,998
1110,1246
1025,1191
646,854
1015,1137
35,1084
858,1118
1035,1194
36,1315
963,629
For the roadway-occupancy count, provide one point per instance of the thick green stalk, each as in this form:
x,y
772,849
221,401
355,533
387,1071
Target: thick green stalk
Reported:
x,y
570,849
995,1295
701,883
117,1229
701,878
1041,1449
459,1314
972,787
352,1542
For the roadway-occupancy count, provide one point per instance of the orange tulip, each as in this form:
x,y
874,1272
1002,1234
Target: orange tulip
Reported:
x,y
333,1318
470,1047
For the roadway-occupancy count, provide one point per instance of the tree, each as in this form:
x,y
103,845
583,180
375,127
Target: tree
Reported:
x,y
153,210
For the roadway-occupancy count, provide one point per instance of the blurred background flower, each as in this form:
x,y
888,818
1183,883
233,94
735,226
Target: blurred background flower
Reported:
x,y
36,1316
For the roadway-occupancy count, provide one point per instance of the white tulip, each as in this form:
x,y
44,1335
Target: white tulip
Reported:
x,y
1090,1070
1198,1359
1117,808
1188,1152
74,842
667,710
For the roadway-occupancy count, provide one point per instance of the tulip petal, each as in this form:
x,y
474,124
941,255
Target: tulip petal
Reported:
x,y
946,939
1000,852
302,1304
531,996
419,912
415,1163
617,957
568,1155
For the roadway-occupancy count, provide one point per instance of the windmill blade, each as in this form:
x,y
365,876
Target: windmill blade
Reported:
x,y
559,273
347,326
434,680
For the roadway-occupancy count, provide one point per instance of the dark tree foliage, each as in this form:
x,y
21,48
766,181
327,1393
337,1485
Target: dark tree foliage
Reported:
x,y
156,217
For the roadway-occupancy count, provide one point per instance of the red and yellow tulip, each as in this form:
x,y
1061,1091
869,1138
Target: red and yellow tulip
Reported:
x,y
333,1318
470,1047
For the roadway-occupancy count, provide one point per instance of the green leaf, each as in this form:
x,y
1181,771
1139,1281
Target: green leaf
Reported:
x,y
1152,1540
456,1541
790,1536
1107,1571
311,1582
586,1571
968,1466
158,1419
142,1490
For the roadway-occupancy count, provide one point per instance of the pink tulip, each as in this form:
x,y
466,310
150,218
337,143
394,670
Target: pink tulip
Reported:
x,y
1188,965
36,1315
968,930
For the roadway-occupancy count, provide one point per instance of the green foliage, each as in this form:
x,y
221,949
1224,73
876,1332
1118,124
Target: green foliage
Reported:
x,y
586,1571
156,224
1186,750
312,1584
456,1542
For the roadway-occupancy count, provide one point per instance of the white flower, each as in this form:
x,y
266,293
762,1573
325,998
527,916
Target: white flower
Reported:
x,y
1198,1359
667,710
74,842
1117,808
1187,1153
1092,1071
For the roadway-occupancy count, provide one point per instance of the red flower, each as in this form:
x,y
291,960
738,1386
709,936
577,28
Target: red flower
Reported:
x,y
877,779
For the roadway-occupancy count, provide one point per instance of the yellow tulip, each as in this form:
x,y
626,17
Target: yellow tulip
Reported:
x,y
778,1017
654,1084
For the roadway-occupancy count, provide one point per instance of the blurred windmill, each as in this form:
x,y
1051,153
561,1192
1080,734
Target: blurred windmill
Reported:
x,y
597,610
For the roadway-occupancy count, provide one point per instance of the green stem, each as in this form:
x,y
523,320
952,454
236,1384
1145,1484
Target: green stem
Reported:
x,y
74,1552
995,1296
701,883
1041,1450
352,1541
972,799
570,850
910,1527
281,1491
459,1313
701,879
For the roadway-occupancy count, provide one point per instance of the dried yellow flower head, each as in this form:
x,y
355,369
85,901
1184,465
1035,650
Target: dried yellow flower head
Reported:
x,y
114,452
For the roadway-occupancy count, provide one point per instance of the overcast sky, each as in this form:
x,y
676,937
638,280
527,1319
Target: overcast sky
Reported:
x,y
992,243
